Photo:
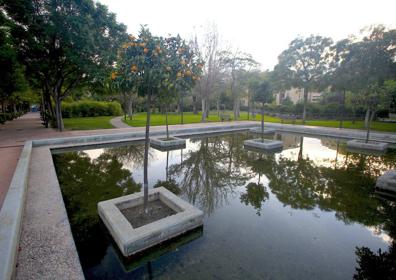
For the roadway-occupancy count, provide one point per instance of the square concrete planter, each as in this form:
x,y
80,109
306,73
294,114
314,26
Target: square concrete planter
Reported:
x,y
267,131
266,144
387,182
131,240
163,144
361,145
142,258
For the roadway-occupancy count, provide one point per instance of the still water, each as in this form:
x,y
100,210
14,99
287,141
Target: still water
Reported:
x,y
308,212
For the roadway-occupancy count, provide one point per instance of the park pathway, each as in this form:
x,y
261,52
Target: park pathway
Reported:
x,y
118,123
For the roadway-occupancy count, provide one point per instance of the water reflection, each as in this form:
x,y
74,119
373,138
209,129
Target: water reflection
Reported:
x,y
84,183
209,174
215,173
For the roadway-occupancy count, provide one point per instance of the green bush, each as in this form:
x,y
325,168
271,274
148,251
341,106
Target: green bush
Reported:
x,y
89,108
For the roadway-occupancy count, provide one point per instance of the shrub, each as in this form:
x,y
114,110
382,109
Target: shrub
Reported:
x,y
89,108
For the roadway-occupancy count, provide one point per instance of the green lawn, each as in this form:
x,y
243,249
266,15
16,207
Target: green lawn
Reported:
x,y
88,123
159,119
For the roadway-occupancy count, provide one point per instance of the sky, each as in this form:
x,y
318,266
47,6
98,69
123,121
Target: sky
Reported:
x,y
262,28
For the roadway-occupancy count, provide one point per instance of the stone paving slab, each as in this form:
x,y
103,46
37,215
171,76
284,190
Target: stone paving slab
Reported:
x,y
46,247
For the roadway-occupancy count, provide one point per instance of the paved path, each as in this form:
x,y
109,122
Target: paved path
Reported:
x,y
118,123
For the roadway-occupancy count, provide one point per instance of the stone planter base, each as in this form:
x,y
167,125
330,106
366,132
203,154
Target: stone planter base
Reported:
x,y
173,143
267,131
132,240
387,182
266,145
361,145
139,259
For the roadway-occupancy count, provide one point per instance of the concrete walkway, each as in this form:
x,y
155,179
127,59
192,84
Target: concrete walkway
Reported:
x,y
118,123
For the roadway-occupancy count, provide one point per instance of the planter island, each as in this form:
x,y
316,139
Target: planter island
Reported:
x,y
263,144
166,144
133,230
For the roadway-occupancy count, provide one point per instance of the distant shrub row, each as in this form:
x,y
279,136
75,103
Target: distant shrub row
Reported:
x,y
90,109
9,116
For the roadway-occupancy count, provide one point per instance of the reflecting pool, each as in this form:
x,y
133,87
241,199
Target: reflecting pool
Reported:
x,y
307,212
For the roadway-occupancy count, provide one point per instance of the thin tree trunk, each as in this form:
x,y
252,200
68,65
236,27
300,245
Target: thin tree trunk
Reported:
x,y
203,119
367,118
130,103
342,109
371,117
167,165
218,107
305,105
146,147
249,101
195,110
262,122
181,110
166,121
300,152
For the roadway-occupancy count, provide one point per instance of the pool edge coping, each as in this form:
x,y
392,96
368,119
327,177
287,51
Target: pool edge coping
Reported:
x,y
14,202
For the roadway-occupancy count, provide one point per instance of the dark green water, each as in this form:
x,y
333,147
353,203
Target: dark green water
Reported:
x,y
308,212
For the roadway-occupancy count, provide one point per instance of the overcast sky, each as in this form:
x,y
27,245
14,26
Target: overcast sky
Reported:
x,y
262,28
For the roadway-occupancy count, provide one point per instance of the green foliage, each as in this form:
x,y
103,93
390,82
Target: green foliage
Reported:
x,y
255,195
89,108
84,183
263,93
170,185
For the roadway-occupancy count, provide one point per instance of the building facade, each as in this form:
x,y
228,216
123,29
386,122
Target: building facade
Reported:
x,y
296,95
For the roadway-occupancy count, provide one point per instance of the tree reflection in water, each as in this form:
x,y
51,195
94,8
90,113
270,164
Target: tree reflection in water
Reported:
x,y
210,174
255,195
85,182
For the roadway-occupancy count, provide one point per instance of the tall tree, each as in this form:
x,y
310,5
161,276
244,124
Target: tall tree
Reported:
x,y
65,44
370,62
263,94
305,63
153,65
236,62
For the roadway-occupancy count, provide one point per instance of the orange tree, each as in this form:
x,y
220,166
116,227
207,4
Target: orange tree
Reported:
x,y
184,70
154,67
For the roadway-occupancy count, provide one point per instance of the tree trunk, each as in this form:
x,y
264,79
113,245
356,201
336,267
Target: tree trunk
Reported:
x,y
218,107
342,108
203,110
130,103
166,122
300,152
249,103
371,117
146,147
262,122
181,110
367,118
305,105
195,109
59,119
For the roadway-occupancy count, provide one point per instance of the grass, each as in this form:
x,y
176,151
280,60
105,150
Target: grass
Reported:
x,y
159,119
88,123
139,120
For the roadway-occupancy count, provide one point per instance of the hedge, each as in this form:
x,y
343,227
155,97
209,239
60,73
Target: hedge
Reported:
x,y
90,109
9,116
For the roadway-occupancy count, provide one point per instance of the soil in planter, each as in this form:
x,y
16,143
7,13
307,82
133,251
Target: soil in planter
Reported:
x,y
157,210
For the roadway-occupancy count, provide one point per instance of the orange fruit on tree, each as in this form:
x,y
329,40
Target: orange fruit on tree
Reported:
x,y
145,50
134,68
188,73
